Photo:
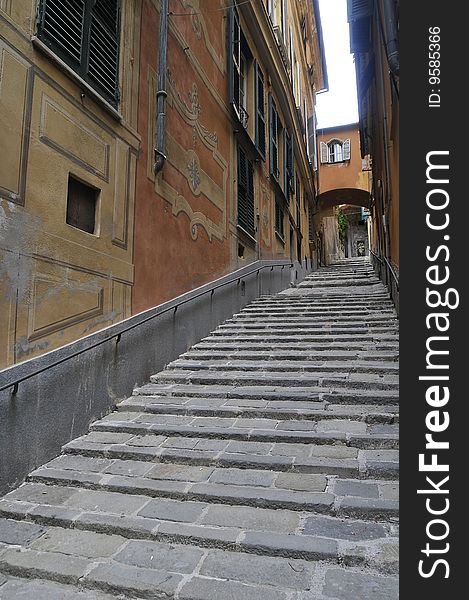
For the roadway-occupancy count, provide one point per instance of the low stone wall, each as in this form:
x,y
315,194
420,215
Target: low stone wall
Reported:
x,y
72,386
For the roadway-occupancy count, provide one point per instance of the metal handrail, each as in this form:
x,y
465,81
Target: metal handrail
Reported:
x,y
384,260
15,382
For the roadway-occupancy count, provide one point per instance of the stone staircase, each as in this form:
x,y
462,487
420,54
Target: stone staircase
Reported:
x,y
260,465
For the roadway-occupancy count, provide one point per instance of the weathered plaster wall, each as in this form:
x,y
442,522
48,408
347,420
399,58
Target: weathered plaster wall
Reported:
x,y
58,282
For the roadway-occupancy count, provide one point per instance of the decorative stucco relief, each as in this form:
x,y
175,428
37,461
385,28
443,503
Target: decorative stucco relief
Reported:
x,y
187,162
199,26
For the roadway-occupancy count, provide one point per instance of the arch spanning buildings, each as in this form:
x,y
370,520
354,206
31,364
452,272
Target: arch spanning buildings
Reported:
x,y
343,184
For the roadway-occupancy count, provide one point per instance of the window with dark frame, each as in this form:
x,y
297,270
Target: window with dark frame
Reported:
x,y
298,202
239,68
260,111
82,200
335,151
85,35
288,164
279,219
273,138
245,193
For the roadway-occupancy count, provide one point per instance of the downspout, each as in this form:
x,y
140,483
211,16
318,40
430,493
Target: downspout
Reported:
x,y
161,94
387,197
392,47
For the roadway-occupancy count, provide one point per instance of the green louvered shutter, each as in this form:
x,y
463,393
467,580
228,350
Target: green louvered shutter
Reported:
x,y
103,61
273,138
85,35
245,192
260,110
61,28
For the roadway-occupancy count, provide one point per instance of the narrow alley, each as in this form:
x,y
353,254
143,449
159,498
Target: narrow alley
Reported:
x,y
260,465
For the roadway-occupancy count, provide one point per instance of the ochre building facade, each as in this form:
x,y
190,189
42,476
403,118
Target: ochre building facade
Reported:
x,y
90,231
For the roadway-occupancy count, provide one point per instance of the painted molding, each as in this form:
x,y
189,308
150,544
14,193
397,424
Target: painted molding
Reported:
x,y
49,107
187,162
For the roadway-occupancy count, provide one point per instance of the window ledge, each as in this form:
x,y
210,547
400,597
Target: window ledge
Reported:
x,y
246,234
41,47
279,237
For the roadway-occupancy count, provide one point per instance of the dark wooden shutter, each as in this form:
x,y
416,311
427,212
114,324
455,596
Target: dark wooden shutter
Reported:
x,y
245,192
85,35
61,27
298,203
288,164
260,111
234,46
273,138
279,227
103,61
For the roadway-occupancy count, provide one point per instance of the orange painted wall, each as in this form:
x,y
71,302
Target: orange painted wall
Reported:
x,y
168,261
348,174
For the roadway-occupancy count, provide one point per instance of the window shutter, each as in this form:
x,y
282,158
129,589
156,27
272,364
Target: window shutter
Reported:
x,y
85,35
61,26
346,150
358,9
245,192
298,203
324,153
103,61
288,164
260,111
234,45
311,140
273,138
279,218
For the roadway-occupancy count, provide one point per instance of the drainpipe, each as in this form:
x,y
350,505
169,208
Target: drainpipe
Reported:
x,y
161,94
387,197
392,48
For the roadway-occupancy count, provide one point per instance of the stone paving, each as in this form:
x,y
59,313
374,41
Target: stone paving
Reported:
x,y
260,465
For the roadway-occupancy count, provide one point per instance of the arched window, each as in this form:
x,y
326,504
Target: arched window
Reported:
x,y
335,151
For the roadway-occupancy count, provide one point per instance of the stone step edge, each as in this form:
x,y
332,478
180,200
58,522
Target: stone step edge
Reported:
x,y
287,394
261,543
324,383
351,440
343,467
133,405
320,503
278,366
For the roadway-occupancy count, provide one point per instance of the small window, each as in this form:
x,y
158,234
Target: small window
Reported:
x,y
81,205
279,219
335,151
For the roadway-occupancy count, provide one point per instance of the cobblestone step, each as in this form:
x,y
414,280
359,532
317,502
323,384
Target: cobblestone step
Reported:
x,y
309,327
352,433
322,380
249,344
298,366
272,532
312,457
318,493
145,568
203,353
314,319
279,409
270,393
